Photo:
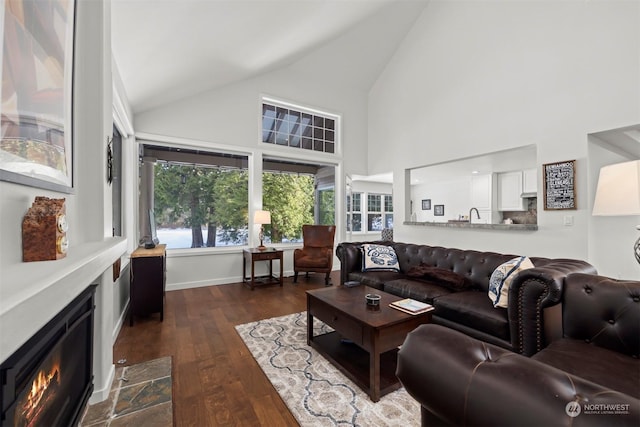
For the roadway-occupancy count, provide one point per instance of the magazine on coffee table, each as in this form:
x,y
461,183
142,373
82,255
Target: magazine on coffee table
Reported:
x,y
411,306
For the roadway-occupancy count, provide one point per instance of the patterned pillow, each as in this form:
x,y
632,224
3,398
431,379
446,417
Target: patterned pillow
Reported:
x,y
502,277
379,258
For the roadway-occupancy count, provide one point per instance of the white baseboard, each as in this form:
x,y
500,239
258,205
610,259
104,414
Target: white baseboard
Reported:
x,y
119,323
212,282
100,395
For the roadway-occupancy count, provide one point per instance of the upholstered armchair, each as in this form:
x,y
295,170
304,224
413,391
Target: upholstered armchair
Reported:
x,y
316,254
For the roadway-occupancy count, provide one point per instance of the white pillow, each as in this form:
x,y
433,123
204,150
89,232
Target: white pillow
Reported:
x,y
502,277
379,258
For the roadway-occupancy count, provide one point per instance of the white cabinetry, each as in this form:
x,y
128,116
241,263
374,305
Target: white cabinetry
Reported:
x,y
509,191
530,181
481,186
483,190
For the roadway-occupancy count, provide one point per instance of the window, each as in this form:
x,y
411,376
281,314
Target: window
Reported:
x,y
388,211
326,206
200,198
374,212
116,183
354,212
298,129
325,191
296,193
378,213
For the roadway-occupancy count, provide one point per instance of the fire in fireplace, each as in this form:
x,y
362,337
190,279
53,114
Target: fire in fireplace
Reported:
x,y
40,397
48,381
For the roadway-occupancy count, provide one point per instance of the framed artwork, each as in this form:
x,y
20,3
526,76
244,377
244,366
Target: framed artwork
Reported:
x,y
426,204
36,143
438,210
559,185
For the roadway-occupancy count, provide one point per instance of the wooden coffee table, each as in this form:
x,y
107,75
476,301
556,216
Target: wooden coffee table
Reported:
x,y
369,356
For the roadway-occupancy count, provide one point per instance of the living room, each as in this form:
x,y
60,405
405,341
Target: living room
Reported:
x,y
458,80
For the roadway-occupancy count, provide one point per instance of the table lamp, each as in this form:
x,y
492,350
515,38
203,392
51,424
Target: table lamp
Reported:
x,y
262,217
618,193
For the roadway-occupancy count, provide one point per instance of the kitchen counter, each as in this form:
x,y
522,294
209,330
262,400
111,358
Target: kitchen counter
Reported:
x,y
461,224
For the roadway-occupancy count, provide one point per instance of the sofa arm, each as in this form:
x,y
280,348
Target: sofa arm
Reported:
x,y
350,259
530,293
463,381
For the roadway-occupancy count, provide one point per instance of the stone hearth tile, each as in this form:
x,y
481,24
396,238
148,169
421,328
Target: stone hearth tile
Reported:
x,y
145,399
117,383
158,368
98,424
157,416
99,412
143,395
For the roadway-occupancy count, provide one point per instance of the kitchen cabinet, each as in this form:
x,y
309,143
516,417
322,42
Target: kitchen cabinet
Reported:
x,y
483,197
481,191
530,181
509,191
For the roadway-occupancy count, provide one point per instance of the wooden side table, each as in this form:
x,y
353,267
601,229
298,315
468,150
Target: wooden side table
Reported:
x,y
147,282
252,255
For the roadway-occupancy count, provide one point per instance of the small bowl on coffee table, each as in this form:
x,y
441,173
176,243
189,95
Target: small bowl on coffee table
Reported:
x,y
373,300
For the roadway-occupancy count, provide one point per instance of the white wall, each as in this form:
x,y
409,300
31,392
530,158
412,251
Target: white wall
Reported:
x,y
232,115
453,193
230,118
476,77
34,292
611,239
123,121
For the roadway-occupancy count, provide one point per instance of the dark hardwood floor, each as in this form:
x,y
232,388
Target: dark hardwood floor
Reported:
x,y
216,381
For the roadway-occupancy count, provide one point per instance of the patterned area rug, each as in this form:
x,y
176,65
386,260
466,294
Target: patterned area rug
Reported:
x,y
314,390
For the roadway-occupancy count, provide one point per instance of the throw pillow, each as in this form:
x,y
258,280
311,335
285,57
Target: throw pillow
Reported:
x,y
502,277
445,277
379,258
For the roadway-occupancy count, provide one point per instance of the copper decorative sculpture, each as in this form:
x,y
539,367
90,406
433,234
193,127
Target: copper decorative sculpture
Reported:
x,y
44,230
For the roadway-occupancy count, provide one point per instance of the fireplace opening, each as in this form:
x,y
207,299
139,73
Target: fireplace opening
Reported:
x,y
48,380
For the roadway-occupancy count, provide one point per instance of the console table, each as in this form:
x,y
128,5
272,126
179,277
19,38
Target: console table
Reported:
x,y
147,282
252,255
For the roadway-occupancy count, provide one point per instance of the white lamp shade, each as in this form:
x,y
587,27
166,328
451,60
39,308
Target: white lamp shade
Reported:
x,y
262,217
618,191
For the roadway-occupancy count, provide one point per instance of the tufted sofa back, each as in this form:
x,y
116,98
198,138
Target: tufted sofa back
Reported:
x,y
603,311
477,266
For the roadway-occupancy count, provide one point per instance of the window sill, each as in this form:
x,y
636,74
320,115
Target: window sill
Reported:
x,y
222,250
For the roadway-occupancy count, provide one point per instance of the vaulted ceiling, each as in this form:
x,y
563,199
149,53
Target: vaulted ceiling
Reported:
x,y
166,50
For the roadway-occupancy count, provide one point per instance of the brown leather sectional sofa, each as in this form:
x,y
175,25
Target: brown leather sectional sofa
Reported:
x,y
589,377
519,327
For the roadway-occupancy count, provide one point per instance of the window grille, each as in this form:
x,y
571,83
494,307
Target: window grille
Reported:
x,y
298,129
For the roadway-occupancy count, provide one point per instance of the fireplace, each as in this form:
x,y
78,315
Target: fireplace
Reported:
x,y
48,380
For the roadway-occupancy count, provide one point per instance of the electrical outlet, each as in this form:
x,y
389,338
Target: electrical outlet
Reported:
x,y
568,220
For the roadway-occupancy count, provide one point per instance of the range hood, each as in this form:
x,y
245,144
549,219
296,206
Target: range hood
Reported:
x,y
529,195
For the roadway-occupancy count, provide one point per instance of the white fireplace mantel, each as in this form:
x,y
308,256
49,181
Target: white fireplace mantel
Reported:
x,y
31,293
